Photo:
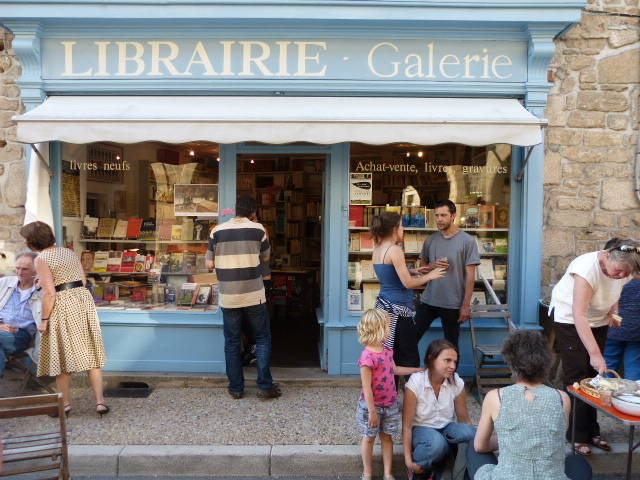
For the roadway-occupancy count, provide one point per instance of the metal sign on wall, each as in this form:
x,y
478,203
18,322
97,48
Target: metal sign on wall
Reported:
x,y
354,59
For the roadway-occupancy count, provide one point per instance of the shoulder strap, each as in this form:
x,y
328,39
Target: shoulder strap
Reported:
x,y
560,396
500,395
385,253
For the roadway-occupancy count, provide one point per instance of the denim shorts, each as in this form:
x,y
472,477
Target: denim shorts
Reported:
x,y
389,419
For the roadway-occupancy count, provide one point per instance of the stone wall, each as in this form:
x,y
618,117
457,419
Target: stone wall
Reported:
x,y
13,165
592,138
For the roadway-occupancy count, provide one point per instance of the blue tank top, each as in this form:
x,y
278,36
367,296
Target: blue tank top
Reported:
x,y
391,287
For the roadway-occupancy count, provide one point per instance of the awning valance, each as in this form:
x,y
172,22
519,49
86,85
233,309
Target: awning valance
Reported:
x,y
321,120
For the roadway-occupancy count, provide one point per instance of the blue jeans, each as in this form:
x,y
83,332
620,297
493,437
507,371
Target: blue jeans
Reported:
x,y
12,343
257,321
430,445
622,353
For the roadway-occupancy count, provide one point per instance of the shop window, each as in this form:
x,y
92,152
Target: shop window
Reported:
x,y
139,216
409,179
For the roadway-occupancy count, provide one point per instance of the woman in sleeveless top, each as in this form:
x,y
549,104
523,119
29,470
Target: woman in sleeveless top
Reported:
x,y
396,287
529,419
71,336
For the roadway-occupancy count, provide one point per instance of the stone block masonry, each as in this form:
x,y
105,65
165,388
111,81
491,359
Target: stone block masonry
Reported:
x,y
13,163
592,138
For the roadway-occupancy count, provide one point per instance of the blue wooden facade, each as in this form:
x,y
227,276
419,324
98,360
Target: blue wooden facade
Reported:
x,y
296,47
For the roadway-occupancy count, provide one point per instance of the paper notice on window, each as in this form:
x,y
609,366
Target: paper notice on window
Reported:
x,y
360,188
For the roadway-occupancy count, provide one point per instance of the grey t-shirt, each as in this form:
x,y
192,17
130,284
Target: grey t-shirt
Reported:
x,y
461,250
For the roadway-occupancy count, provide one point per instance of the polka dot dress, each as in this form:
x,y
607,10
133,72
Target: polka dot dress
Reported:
x,y
73,341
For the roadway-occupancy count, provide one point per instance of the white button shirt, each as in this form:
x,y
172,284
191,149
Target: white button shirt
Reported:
x,y
432,411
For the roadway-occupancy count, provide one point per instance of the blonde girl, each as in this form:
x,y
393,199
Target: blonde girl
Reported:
x,y
378,412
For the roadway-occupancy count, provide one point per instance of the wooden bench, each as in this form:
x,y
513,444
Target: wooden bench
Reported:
x,y
37,453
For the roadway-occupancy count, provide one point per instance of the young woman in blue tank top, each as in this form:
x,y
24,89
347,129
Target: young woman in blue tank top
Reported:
x,y
396,287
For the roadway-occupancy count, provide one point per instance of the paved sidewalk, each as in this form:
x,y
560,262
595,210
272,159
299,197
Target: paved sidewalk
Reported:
x,y
190,426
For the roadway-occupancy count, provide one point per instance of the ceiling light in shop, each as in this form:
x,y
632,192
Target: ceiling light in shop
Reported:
x,y
191,153
408,154
217,159
420,154
252,161
117,157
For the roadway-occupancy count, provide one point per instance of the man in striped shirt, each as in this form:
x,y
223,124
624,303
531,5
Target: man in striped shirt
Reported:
x,y
236,250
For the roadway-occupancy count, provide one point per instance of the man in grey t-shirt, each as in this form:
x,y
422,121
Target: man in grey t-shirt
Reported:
x,y
450,297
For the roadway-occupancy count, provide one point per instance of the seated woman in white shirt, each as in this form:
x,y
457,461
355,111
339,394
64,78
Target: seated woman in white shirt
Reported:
x,y
435,414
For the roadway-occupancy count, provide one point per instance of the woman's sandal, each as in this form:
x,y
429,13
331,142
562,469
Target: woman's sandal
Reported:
x,y
102,411
582,449
598,442
67,411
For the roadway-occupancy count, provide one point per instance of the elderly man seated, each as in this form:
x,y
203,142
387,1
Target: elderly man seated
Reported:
x,y
20,308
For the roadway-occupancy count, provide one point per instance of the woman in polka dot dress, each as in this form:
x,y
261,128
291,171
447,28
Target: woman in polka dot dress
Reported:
x,y
71,337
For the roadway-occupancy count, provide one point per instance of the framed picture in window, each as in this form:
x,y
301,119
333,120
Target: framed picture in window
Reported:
x,y
198,200
486,216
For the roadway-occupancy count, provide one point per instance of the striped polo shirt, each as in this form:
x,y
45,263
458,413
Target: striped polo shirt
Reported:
x,y
239,246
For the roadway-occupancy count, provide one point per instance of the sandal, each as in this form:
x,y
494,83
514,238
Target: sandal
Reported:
x,y
598,442
67,411
582,449
102,411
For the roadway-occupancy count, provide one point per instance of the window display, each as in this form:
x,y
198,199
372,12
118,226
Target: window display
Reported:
x,y
409,179
140,222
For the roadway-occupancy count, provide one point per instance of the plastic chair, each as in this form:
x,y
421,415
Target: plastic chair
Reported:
x,y
29,455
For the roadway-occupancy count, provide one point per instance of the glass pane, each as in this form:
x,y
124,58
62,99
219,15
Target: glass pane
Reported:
x,y
139,217
409,179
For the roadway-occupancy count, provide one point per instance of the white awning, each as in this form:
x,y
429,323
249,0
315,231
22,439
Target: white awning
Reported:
x,y
321,120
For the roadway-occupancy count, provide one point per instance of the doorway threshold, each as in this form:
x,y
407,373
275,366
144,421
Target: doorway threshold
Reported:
x,y
311,377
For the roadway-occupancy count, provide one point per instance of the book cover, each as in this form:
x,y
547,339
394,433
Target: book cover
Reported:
x,y
106,227
213,297
175,262
500,272
202,295
139,294
110,292
501,245
113,262
201,262
120,230
98,293
140,263
200,230
368,272
486,217
366,242
128,262
369,295
90,227
86,259
485,269
355,272
149,260
164,229
354,242
411,243
187,229
186,295
148,229
189,262
176,232
356,215
133,227
478,298
100,260
354,300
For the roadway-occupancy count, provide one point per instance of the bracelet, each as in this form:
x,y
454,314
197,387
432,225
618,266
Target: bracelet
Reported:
x,y
44,319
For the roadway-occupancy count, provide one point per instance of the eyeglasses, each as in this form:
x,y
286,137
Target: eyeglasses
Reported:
x,y
627,248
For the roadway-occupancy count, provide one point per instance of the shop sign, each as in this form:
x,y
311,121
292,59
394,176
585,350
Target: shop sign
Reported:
x,y
421,60
431,168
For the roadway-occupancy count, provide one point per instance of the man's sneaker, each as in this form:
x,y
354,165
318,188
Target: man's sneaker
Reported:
x,y
268,394
235,395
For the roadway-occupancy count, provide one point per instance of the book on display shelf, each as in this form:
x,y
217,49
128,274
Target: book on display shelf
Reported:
x,y
100,260
148,229
202,295
366,242
106,227
133,227
176,232
114,260
187,228
369,295
140,263
356,215
200,229
164,228
354,300
120,230
500,272
86,259
354,242
485,269
187,293
501,245
478,298
89,227
128,262
213,297
110,292
367,270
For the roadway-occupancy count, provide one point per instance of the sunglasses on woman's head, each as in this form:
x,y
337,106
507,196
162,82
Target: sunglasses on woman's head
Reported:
x,y
627,248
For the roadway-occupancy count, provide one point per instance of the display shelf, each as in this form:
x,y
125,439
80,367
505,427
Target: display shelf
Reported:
x,y
120,240
145,274
429,229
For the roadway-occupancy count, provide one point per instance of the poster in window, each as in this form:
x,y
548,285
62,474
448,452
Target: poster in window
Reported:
x,y
360,188
195,200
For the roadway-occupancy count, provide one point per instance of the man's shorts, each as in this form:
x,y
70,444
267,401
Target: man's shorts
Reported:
x,y
389,419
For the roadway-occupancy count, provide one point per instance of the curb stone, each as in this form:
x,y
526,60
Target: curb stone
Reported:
x,y
278,461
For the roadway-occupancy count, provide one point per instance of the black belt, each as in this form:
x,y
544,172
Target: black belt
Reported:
x,y
68,285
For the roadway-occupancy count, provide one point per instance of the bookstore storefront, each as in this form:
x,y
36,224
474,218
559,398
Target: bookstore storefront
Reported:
x,y
150,138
